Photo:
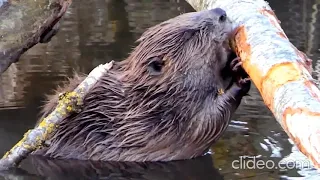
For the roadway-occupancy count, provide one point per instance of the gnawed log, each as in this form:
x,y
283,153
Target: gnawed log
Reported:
x,y
279,71
68,103
25,23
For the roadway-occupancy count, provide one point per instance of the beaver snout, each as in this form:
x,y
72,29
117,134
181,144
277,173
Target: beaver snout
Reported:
x,y
222,15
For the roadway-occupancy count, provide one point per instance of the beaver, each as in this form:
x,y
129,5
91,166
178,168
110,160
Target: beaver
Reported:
x,y
171,99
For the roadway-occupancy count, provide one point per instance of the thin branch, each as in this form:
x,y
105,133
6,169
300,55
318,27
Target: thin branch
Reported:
x,y
69,102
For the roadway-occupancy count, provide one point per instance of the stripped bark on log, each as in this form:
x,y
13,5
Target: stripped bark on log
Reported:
x,y
68,103
280,71
25,23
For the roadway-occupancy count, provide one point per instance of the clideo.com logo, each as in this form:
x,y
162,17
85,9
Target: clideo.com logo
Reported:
x,y
254,163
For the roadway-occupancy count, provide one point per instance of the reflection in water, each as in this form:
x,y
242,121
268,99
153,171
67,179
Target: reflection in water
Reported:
x,y
198,169
98,31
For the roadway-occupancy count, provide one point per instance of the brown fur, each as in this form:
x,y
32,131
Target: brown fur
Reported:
x,y
159,104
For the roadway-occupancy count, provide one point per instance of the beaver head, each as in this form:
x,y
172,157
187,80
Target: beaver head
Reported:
x,y
187,48
169,100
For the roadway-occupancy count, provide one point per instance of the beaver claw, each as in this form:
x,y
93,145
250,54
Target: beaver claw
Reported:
x,y
236,68
241,87
244,84
242,79
236,64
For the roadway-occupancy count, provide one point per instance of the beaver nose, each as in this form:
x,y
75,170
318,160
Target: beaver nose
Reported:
x,y
221,13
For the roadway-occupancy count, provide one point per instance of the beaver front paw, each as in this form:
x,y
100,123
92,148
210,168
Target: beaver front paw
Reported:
x,y
242,79
245,85
240,88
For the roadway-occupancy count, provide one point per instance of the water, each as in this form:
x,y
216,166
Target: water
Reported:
x,y
97,31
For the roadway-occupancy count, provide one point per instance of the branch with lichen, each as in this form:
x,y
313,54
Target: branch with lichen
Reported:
x,y
69,102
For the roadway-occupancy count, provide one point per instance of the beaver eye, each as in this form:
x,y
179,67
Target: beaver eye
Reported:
x,y
155,66
223,18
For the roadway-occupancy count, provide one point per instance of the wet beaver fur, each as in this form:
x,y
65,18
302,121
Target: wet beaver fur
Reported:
x,y
171,99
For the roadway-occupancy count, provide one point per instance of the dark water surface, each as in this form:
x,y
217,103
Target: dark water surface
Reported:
x,y
97,31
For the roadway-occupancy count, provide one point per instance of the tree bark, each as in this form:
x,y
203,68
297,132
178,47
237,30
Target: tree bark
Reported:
x,y
278,69
26,23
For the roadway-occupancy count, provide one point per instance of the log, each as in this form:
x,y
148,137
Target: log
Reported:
x,y
26,23
277,68
69,102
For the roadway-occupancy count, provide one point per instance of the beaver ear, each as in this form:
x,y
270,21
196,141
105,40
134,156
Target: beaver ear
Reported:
x,y
155,65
